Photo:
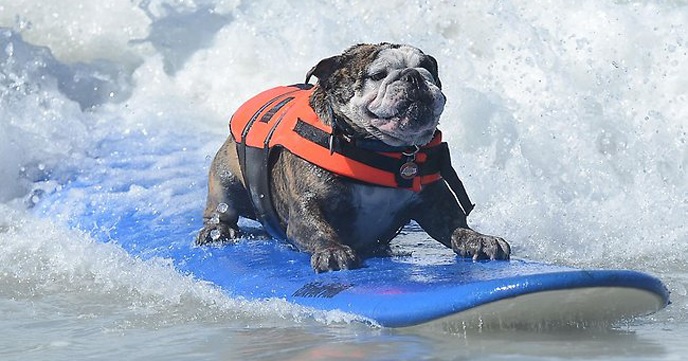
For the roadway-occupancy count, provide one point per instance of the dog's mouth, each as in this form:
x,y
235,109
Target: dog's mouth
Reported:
x,y
396,132
408,121
398,139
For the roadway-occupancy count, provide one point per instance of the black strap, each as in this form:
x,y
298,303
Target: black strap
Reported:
x,y
257,181
449,175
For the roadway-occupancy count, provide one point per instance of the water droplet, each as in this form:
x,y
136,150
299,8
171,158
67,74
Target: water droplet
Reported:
x,y
9,50
222,207
215,234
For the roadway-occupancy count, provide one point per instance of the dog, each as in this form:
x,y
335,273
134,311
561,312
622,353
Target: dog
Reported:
x,y
338,168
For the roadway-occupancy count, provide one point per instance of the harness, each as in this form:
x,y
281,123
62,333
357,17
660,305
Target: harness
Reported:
x,y
282,118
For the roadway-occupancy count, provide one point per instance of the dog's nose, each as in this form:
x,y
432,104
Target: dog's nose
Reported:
x,y
418,90
412,76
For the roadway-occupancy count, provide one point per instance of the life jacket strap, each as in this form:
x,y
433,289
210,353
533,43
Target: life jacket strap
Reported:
x,y
453,181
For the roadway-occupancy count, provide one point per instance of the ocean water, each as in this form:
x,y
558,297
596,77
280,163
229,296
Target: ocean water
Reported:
x,y
567,120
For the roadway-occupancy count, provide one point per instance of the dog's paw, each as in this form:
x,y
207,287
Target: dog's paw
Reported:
x,y
471,244
216,234
334,258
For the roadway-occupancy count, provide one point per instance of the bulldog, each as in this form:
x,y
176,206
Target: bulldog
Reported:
x,y
338,168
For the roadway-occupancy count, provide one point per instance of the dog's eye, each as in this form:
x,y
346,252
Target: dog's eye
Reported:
x,y
378,75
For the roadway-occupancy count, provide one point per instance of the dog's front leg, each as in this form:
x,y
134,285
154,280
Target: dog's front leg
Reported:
x,y
440,216
227,198
308,199
308,230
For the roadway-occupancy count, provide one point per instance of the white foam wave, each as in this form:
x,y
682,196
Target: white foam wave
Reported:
x,y
42,261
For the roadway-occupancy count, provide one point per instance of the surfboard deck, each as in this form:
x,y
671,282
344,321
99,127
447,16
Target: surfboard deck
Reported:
x,y
122,200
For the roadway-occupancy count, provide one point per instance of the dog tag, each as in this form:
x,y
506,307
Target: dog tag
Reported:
x,y
408,170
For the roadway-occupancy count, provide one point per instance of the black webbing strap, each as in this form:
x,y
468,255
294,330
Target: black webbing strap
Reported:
x,y
453,181
257,181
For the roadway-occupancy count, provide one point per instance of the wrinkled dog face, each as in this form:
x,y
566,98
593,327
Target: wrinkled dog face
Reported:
x,y
397,96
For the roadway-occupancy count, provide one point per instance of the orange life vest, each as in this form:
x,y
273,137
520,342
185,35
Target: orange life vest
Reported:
x,y
283,118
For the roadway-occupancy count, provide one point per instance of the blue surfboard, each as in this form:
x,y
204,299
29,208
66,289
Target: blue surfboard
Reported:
x,y
148,199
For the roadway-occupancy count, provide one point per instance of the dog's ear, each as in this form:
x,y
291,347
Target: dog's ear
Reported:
x,y
430,63
324,68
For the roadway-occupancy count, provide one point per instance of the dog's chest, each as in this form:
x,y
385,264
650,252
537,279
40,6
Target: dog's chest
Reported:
x,y
378,210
